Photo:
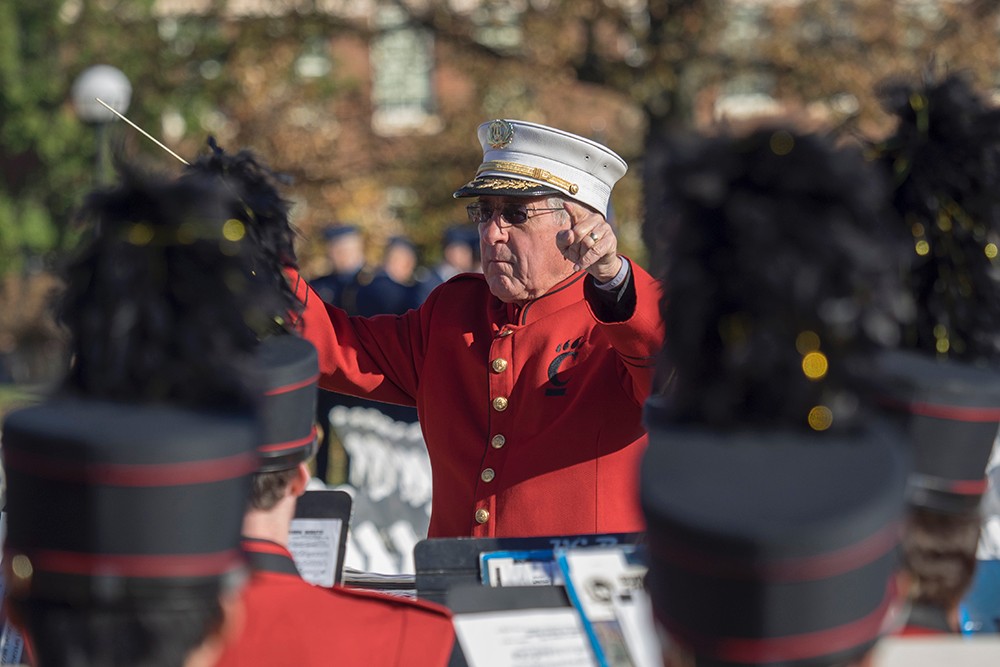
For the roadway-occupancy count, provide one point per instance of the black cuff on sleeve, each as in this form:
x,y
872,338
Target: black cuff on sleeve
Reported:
x,y
611,306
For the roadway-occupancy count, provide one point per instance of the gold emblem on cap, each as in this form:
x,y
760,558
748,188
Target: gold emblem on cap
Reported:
x,y
500,133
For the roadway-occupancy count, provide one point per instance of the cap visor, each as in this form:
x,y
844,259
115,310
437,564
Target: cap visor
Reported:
x,y
502,186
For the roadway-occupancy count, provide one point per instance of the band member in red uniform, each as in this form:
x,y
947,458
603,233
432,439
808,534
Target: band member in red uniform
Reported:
x,y
529,378
289,621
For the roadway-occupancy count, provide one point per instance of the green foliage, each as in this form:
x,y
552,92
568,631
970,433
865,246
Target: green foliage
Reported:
x,y
26,230
42,145
47,155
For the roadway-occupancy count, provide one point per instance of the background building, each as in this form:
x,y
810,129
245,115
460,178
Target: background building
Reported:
x,y
370,106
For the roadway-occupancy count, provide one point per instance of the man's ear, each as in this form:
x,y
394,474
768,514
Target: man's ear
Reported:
x,y
301,480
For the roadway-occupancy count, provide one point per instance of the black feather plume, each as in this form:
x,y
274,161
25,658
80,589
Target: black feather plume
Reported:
x,y
944,159
261,207
777,279
161,302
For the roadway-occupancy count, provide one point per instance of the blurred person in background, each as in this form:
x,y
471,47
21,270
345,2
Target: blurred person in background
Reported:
x,y
392,288
459,254
945,389
345,252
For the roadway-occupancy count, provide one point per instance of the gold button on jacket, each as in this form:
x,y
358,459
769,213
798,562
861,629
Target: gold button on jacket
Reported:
x,y
488,475
482,515
499,403
498,441
499,365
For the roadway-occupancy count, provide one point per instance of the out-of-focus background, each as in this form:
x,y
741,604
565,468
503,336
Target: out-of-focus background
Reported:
x,y
371,106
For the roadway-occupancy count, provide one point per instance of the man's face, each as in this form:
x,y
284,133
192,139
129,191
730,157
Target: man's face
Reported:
x,y
400,263
522,262
346,253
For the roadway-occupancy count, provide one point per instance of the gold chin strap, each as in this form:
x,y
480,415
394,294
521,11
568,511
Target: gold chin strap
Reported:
x,y
530,172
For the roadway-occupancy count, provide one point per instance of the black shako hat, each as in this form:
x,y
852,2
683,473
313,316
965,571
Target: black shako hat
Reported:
x,y
946,388
773,494
115,504
129,486
950,412
334,232
285,370
767,549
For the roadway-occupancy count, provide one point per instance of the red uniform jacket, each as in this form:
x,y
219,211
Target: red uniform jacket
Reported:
x,y
531,415
291,622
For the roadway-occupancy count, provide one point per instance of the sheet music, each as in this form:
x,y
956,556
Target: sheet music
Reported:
x,y
313,543
524,638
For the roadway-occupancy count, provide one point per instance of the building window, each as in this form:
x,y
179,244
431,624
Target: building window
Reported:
x,y
402,60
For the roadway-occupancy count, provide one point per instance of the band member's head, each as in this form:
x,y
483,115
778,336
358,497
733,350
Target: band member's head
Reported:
x,y
127,488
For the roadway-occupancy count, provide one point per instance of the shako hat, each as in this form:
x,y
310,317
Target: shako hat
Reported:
x,y
773,493
129,485
460,234
116,504
768,549
950,412
946,386
284,371
522,159
338,231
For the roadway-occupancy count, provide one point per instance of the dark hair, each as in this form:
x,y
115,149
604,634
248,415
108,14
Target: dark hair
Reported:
x,y
268,488
939,554
66,636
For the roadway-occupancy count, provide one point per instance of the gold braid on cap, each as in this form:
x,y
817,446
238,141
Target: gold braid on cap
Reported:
x,y
530,172
503,184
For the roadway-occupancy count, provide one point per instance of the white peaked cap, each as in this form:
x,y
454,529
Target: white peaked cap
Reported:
x,y
527,159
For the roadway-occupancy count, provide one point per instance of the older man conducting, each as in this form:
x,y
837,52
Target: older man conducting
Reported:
x,y
529,378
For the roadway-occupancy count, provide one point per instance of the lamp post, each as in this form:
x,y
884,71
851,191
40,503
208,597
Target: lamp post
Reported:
x,y
112,86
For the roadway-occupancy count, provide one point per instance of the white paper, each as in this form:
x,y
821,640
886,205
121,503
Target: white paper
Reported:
x,y
11,646
935,651
635,612
608,590
524,638
313,543
989,538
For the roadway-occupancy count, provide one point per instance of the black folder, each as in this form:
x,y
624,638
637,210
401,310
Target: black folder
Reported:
x,y
443,563
328,504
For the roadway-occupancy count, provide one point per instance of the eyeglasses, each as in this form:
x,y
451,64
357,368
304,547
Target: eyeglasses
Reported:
x,y
515,214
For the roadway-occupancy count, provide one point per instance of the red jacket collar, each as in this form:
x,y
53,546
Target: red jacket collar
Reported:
x,y
563,294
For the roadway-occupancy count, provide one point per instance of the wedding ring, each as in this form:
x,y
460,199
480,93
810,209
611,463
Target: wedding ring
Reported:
x,y
593,237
